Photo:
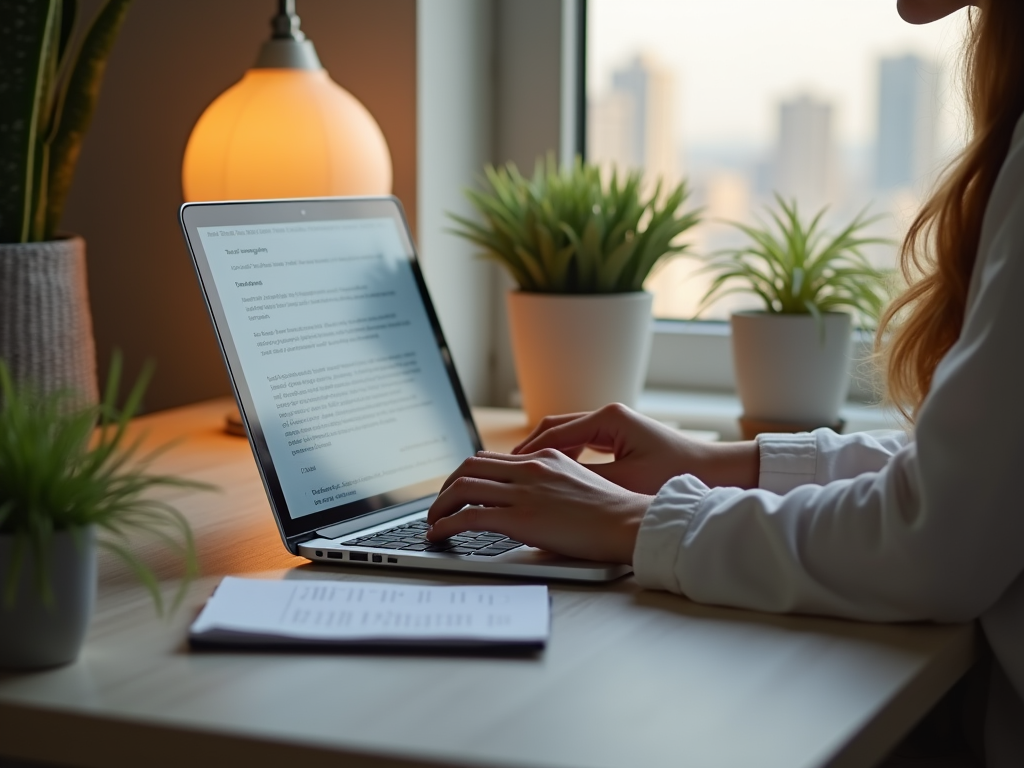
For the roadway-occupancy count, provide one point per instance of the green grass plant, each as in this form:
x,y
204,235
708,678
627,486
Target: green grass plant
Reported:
x,y
796,267
65,466
566,231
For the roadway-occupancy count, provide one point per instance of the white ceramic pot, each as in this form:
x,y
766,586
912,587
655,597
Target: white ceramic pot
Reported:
x,y
34,634
579,352
787,371
45,323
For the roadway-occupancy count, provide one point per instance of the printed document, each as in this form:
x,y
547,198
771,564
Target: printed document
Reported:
x,y
298,612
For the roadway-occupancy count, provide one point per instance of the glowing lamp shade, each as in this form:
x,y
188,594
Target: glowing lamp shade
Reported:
x,y
285,133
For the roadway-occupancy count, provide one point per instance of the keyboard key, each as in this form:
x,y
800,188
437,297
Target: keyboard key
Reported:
x,y
441,546
505,546
416,547
462,550
489,552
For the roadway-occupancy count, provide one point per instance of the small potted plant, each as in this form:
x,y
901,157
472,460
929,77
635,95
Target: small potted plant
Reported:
x,y
66,486
49,96
792,357
579,249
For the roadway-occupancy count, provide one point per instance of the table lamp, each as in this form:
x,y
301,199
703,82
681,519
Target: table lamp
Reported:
x,y
285,130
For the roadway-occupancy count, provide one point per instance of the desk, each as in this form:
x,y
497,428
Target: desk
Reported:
x,y
630,678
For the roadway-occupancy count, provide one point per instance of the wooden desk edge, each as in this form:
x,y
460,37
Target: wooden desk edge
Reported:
x,y
122,743
903,712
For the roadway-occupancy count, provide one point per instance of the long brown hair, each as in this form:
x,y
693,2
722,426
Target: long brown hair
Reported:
x,y
938,254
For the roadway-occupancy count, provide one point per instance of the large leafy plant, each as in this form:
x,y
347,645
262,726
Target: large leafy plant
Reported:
x,y
47,98
567,231
60,471
796,267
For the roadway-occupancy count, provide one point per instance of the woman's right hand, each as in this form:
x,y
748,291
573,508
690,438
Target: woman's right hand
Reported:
x,y
647,453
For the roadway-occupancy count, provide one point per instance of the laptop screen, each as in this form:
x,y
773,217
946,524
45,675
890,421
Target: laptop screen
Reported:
x,y
338,354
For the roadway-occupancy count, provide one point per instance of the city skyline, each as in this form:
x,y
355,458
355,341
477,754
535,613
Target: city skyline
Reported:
x,y
908,106
803,160
735,59
633,125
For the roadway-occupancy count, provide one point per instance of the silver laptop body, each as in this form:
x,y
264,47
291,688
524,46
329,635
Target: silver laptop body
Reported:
x,y
349,397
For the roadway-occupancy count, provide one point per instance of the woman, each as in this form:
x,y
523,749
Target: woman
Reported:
x,y
893,527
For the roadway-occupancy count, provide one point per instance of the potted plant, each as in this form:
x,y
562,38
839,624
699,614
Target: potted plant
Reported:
x,y
49,98
579,249
792,358
67,485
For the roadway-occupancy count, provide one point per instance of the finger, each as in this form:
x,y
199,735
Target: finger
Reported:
x,y
503,520
545,424
594,430
470,491
487,465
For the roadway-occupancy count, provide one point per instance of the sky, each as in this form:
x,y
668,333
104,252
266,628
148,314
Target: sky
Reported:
x,y
736,59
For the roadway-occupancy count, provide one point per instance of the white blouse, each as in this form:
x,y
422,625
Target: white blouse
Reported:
x,y
882,526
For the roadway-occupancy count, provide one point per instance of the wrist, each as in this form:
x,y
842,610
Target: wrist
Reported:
x,y
630,521
732,465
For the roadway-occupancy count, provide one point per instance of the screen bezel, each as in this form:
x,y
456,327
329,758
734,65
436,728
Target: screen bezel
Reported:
x,y
192,216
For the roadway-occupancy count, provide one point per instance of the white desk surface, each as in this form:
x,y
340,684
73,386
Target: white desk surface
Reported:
x,y
630,678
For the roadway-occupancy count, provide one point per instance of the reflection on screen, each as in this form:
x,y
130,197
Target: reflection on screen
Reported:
x,y
339,357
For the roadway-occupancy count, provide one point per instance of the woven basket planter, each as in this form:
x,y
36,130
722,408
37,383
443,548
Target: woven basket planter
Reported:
x,y
45,325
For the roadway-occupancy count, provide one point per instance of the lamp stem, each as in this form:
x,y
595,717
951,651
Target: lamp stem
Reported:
x,y
285,24
287,47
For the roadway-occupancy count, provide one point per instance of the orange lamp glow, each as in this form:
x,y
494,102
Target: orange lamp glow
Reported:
x,y
285,130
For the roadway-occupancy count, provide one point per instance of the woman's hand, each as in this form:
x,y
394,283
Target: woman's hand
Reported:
x,y
647,454
544,499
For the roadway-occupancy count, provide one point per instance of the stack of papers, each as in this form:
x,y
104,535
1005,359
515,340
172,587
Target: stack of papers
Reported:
x,y
348,613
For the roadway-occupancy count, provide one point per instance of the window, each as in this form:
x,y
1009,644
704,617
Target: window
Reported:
x,y
837,103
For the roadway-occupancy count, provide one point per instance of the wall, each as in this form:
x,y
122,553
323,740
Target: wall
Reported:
x,y
171,60
527,125
455,87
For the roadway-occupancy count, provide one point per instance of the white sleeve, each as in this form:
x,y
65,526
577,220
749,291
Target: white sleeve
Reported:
x,y
821,456
936,533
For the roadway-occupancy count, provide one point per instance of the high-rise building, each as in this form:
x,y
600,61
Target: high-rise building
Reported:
x,y
632,126
805,155
908,104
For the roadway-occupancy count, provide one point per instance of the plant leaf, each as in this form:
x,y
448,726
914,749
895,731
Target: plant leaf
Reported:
x,y
76,105
565,231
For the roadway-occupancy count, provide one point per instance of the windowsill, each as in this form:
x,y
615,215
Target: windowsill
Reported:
x,y
719,411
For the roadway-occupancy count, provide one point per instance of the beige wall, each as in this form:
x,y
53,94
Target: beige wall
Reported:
x,y
171,60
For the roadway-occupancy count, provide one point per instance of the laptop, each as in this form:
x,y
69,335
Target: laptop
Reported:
x,y
345,385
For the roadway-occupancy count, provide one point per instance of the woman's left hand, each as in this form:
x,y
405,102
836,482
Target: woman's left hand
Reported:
x,y
543,499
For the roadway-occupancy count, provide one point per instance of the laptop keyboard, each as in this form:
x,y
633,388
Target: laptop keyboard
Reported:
x,y
411,537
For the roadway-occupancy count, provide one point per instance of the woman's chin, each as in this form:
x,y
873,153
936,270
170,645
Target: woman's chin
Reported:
x,y
927,11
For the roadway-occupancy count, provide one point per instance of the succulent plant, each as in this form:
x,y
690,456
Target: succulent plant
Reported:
x,y
796,267
567,231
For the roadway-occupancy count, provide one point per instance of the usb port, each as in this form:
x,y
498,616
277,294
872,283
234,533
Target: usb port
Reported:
x,y
359,556
336,555
392,559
